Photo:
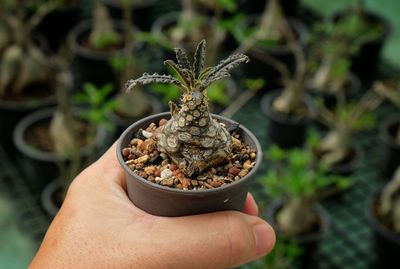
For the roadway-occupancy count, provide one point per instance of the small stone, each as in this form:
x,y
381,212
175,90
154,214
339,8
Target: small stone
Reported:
x,y
143,174
165,162
157,173
150,170
253,155
216,183
185,183
194,182
158,179
166,173
151,178
150,145
234,171
135,141
243,173
236,143
156,160
147,134
168,182
237,178
247,165
126,152
162,122
164,167
173,166
142,159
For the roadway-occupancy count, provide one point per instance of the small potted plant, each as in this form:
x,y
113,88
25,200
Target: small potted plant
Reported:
x,y
266,36
330,60
298,182
187,162
371,30
384,217
130,106
289,110
187,28
93,44
26,75
336,150
50,140
390,128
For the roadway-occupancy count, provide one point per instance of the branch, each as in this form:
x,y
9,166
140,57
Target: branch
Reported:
x,y
155,78
45,9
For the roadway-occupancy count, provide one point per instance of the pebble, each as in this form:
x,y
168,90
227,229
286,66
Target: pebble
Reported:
x,y
173,166
162,122
247,165
150,170
126,152
168,182
234,171
253,155
243,173
157,173
142,159
166,173
147,134
143,174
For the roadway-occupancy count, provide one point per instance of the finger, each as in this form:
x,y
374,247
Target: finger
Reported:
x,y
216,240
250,207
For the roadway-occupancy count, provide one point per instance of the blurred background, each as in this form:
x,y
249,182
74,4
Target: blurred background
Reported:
x,y
320,93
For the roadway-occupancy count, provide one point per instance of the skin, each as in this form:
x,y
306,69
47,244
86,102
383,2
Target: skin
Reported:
x,y
99,227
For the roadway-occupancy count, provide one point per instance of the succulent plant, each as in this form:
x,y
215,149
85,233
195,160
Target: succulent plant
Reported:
x,y
191,138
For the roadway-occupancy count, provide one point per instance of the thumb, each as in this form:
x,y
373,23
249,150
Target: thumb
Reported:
x,y
218,240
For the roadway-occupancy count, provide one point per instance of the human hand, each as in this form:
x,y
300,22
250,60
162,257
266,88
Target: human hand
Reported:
x,y
99,227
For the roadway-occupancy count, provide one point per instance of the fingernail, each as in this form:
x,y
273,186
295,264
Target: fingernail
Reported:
x,y
265,238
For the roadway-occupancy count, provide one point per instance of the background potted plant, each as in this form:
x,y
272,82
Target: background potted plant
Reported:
x,y
26,75
51,139
390,128
93,44
192,142
336,149
384,217
298,181
130,106
288,110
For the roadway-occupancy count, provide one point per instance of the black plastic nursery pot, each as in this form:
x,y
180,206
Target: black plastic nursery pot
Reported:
x,y
285,131
89,65
307,242
56,25
140,12
387,242
41,166
13,111
120,122
365,62
391,149
351,89
257,68
164,201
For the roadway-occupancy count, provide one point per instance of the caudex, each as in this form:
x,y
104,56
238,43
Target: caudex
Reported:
x,y
192,138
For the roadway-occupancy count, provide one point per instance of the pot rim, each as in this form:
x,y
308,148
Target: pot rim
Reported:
x,y
45,197
188,192
85,26
34,117
384,130
374,221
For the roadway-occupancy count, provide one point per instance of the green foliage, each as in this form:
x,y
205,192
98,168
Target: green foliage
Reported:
x,y
167,91
254,84
217,93
97,104
106,41
119,63
296,173
191,77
